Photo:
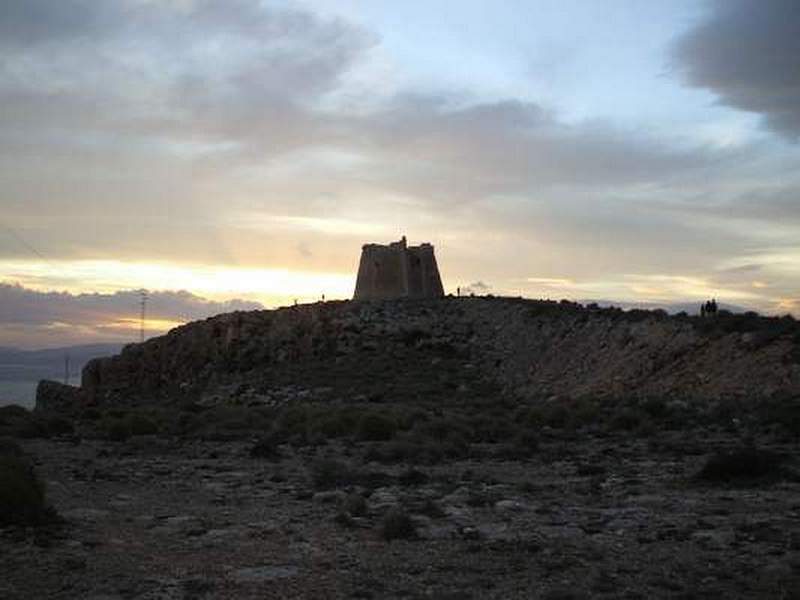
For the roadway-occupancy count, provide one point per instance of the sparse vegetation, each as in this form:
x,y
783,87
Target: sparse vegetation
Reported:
x,y
397,525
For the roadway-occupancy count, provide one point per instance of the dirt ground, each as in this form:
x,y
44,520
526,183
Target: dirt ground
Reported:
x,y
589,515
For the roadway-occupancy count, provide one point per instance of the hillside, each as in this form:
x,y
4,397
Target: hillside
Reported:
x,y
463,448
396,349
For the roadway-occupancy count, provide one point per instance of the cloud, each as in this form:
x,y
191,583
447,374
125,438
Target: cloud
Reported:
x,y
448,149
33,318
43,22
144,130
477,287
166,93
200,132
746,52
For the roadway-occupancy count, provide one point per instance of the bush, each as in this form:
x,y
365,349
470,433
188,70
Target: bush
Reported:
x,y
523,445
21,493
416,447
333,425
293,421
490,429
783,413
90,414
9,447
412,477
441,429
355,505
266,447
224,423
11,412
743,464
398,450
655,407
431,509
59,426
627,419
116,429
397,525
329,473
553,415
139,424
375,427
16,421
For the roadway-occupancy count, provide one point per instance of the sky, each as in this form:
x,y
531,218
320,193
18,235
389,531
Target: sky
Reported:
x,y
242,151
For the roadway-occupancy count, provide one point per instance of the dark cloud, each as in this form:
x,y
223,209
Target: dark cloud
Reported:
x,y
241,84
747,52
29,317
439,150
25,22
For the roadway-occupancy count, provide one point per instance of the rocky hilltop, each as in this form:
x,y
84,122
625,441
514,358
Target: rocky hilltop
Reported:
x,y
459,448
395,349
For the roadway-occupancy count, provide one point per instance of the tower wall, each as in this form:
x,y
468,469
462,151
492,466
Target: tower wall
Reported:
x,y
397,271
423,273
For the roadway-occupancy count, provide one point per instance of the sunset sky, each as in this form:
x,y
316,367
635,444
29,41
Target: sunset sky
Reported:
x,y
238,149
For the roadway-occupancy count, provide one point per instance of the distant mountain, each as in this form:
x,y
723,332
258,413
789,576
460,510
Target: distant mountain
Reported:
x,y
49,363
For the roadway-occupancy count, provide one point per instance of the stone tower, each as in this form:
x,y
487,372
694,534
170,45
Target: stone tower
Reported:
x,y
398,271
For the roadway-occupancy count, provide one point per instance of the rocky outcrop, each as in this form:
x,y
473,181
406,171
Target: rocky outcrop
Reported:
x,y
53,396
456,345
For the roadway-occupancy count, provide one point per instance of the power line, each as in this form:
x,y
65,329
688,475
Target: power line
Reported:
x,y
142,293
24,243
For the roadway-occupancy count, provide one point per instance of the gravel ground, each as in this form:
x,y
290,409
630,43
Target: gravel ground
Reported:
x,y
589,516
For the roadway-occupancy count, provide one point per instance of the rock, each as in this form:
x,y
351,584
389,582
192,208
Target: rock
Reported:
x,y
459,497
714,539
495,531
264,573
510,506
432,531
53,396
182,525
382,500
224,534
457,514
329,497
85,514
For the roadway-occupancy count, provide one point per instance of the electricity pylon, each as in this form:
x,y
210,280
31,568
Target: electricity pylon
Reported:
x,y
143,306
